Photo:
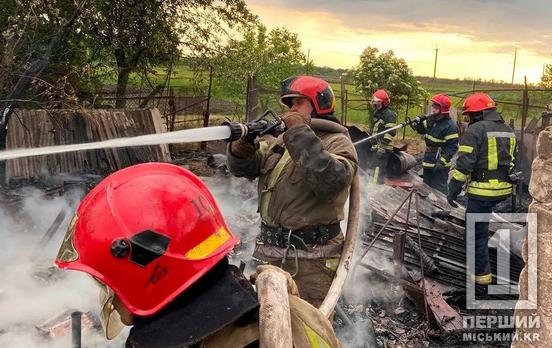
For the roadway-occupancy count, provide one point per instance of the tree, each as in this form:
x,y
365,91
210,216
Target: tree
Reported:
x,y
384,70
109,38
268,56
137,35
34,32
546,79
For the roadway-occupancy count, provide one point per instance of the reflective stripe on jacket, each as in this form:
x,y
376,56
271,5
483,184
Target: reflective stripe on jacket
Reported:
x,y
486,154
441,140
384,118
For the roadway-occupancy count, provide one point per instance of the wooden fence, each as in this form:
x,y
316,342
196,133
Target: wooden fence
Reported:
x,y
37,128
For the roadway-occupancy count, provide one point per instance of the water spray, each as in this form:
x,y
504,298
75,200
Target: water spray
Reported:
x,y
268,123
414,121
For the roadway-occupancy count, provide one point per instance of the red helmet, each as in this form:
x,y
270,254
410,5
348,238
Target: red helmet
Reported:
x,y
443,101
381,96
318,91
148,232
478,102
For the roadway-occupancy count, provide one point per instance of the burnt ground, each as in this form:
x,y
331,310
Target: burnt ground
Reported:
x,y
396,321
394,318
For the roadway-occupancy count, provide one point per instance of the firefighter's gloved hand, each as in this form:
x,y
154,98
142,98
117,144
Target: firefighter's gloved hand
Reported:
x,y
417,120
440,165
417,124
454,189
293,118
291,286
242,148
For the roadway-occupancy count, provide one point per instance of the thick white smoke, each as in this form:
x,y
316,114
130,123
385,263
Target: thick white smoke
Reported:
x,y
363,286
31,289
237,199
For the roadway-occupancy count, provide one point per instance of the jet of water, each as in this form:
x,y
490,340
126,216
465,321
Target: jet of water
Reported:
x,y
181,136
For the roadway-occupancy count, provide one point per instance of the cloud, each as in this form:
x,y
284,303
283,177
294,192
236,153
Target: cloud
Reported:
x,y
487,20
491,29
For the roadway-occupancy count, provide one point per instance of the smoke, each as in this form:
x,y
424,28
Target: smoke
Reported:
x,y
237,199
364,287
32,290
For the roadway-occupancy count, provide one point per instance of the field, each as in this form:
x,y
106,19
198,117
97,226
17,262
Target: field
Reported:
x,y
185,81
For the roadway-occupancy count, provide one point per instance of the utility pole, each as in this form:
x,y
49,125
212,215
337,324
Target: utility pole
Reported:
x,y
435,64
514,69
308,62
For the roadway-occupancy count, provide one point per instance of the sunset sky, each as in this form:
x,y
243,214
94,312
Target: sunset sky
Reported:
x,y
476,38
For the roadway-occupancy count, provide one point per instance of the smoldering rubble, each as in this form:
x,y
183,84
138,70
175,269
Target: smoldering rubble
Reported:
x,y
35,297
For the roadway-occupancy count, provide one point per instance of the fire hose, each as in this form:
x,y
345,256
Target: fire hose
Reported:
x,y
408,122
344,265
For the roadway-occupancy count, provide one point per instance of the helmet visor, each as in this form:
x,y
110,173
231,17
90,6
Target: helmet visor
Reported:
x,y
325,99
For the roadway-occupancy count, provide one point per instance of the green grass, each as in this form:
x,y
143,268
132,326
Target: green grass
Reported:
x,y
184,81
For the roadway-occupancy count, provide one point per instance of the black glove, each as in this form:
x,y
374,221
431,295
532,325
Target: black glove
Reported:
x,y
380,153
418,120
454,189
417,124
439,164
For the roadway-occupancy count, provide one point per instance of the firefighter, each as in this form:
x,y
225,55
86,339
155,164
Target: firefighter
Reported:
x,y
382,147
304,179
441,140
153,239
486,156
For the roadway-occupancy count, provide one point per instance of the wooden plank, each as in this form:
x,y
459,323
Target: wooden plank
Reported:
x,y
34,128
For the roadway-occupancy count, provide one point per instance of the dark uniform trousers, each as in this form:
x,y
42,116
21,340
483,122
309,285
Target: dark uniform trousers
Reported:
x,y
437,178
482,265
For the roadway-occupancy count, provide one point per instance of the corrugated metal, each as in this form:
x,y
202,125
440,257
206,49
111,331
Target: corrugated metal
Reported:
x,y
37,128
442,239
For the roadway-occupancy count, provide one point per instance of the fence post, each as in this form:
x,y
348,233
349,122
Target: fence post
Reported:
x,y
252,99
172,107
524,111
207,112
342,93
346,106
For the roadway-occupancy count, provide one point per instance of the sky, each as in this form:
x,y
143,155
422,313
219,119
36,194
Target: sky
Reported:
x,y
474,38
